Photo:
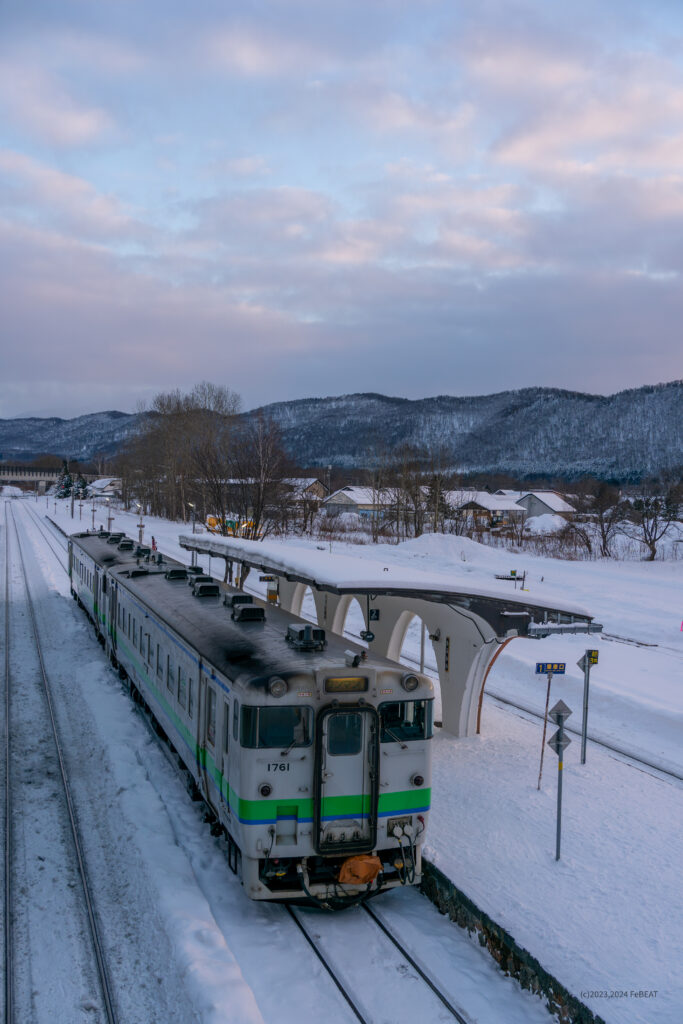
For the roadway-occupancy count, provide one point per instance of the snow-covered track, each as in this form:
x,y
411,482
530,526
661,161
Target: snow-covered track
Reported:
x,y
371,1000
48,536
628,756
658,770
7,903
72,830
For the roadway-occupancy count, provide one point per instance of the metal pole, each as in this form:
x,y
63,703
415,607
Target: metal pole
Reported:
x,y
584,727
560,724
422,648
545,726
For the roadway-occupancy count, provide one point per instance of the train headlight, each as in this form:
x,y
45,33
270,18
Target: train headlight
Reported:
x,y
277,687
417,780
410,683
265,789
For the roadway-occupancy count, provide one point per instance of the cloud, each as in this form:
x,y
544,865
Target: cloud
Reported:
x,y
36,100
62,199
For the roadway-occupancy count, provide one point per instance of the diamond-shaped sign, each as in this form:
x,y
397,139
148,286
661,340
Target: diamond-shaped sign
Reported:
x,y
560,711
554,743
581,663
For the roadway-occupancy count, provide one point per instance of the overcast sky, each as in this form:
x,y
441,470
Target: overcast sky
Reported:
x,y
314,197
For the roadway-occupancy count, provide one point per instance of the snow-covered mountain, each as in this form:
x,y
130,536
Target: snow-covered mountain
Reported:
x,y
534,431
84,437
543,431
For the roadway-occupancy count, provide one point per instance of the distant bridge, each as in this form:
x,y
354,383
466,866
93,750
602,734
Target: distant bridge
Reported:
x,y
33,478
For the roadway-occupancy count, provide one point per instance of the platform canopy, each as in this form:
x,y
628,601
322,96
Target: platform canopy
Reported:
x,y
467,622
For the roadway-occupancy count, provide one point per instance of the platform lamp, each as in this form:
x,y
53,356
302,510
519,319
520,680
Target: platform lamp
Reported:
x,y
93,513
193,515
141,525
110,517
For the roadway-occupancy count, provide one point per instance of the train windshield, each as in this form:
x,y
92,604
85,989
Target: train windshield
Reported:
x,y
270,727
403,720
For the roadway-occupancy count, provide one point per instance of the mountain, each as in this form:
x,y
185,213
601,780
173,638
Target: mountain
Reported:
x,y
82,438
535,431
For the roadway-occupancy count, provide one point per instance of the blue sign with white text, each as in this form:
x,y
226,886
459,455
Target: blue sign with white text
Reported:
x,y
556,667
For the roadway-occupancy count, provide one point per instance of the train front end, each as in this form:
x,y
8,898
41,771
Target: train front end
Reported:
x,y
336,768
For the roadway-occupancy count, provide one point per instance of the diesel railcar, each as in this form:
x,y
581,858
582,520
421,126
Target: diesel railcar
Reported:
x,y
312,757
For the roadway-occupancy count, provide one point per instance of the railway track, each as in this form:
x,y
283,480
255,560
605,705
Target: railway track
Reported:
x,y
67,867
368,1007
628,756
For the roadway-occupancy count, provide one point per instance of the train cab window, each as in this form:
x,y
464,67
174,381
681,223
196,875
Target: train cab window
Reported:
x,y
169,673
273,727
236,721
211,717
182,687
190,697
403,720
344,733
226,726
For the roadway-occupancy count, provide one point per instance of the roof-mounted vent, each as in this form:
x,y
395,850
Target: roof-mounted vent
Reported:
x,y
114,538
305,638
248,613
206,590
233,600
138,572
176,574
200,578
126,544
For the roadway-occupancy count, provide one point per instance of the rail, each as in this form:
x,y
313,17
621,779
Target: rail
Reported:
x,y
74,831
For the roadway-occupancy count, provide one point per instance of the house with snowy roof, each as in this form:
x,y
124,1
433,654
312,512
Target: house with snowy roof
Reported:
x,y
105,487
485,509
366,502
540,503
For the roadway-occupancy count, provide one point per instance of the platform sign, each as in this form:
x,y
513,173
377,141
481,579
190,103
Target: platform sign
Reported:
x,y
557,744
556,667
374,614
266,579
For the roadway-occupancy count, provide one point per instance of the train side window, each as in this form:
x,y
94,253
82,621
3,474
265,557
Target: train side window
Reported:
x,y
135,632
129,624
190,697
405,720
169,673
226,726
211,717
149,649
182,687
236,720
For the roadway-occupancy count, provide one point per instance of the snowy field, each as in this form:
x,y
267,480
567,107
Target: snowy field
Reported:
x,y
606,919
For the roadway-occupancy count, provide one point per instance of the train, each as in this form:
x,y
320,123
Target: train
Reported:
x,y
312,757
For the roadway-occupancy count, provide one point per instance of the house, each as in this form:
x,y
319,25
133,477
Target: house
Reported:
x,y
484,509
305,488
106,487
364,501
539,503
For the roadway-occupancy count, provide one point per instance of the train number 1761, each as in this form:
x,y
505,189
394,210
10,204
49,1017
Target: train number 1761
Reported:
x,y
278,766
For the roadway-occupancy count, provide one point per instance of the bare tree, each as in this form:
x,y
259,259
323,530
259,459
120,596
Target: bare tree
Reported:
x,y
652,514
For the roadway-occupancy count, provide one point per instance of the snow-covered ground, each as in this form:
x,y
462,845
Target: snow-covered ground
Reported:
x,y
608,917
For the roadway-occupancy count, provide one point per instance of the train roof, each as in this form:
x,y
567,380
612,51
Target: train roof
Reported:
x,y
244,651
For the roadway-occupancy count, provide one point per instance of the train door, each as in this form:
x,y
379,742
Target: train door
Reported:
x,y
346,779
225,754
